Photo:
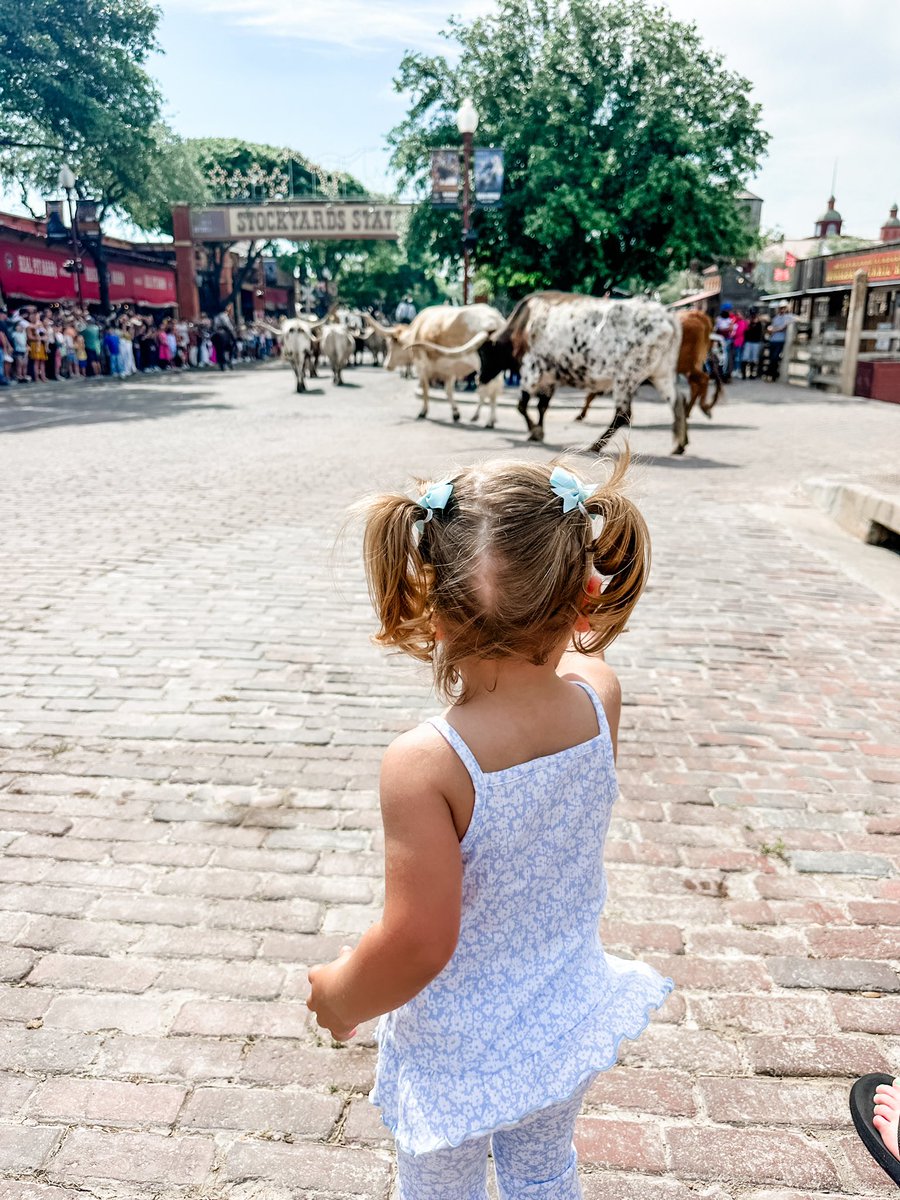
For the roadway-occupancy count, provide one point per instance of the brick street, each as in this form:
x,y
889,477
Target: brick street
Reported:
x,y
191,720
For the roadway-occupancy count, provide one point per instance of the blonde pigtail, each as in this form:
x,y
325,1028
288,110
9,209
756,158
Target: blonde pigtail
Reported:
x,y
621,554
398,578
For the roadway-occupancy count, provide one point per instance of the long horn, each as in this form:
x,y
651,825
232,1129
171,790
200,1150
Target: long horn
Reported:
x,y
452,351
382,329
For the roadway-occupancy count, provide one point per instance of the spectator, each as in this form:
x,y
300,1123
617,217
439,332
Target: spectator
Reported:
x,y
91,335
753,338
126,348
778,332
724,327
111,346
406,311
20,350
163,354
81,355
739,332
37,350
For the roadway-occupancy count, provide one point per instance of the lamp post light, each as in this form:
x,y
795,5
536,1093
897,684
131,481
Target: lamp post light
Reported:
x,y
66,180
466,123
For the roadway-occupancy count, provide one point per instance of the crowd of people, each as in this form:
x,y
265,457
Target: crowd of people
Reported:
x,y
752,345
65,342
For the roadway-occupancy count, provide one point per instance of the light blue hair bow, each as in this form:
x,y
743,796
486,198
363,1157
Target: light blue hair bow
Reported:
x,y
572,491
574,494
436,498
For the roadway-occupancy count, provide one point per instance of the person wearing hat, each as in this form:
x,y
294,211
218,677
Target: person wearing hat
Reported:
x,y
778,331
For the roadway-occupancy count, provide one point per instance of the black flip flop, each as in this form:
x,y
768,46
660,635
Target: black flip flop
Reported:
x,y
862,1110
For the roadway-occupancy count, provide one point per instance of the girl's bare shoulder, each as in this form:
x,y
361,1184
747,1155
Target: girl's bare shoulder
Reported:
x,y
600,676
422,760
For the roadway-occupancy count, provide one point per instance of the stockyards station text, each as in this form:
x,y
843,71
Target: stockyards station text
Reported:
x,y
304,222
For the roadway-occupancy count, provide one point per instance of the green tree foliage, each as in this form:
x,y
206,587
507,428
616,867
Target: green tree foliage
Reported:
x,y
239,170
626,142
73,89
369,274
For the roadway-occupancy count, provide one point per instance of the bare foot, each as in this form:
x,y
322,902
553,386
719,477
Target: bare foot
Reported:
x,y
887,1114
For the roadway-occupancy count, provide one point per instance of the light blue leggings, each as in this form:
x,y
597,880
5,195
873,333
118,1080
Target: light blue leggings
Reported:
x,y
535,1160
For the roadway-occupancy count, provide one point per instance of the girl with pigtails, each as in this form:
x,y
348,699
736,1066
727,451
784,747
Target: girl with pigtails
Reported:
x,y
498,1004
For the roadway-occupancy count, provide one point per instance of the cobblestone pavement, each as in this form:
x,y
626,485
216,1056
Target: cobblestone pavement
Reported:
x,y
191,718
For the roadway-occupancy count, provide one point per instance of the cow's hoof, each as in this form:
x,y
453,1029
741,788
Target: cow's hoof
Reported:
x,y
536,435
707,411
455,417
490,425
580,417
679,449
421,416
474,419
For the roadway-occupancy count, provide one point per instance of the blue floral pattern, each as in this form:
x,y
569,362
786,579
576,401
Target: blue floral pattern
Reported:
x,y
530,1005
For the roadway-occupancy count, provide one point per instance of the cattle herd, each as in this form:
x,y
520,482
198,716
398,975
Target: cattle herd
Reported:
x,y
551,339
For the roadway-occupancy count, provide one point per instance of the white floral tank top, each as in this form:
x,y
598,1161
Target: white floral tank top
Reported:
x,y
530,1005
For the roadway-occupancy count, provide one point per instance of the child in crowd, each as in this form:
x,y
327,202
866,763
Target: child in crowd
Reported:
x,y
81,354
500,1004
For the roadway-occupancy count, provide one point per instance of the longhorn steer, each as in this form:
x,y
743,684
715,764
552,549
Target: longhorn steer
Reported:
x,y
560,338
696,332
443,345
337,345
297,342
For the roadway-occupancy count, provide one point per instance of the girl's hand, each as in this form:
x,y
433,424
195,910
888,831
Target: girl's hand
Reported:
x,y
322,981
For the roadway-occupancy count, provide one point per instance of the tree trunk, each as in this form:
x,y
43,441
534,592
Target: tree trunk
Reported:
x,y
238,278
95,249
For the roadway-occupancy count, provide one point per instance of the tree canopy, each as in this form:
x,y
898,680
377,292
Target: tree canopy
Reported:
x,y
626,141
73,89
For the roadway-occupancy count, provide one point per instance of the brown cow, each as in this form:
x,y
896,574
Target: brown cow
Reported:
x,y
696,331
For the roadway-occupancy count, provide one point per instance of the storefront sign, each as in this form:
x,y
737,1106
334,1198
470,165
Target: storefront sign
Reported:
x,y
306,222
877,265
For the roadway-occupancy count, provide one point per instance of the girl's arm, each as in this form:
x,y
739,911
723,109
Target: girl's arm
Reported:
x,y
417,933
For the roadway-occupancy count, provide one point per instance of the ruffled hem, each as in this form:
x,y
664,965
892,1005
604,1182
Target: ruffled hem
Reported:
x,y
410,1096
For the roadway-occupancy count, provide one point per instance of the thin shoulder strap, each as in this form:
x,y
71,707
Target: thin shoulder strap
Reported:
x,y
469,760
602,723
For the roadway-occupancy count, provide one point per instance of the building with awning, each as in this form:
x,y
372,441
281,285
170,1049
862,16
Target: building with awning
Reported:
x,y
32,271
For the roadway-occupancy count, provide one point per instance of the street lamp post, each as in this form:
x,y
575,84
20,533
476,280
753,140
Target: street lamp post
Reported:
x,y
66,181
466,123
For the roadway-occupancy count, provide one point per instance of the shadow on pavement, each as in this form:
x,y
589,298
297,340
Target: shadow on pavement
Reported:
x,y
90,402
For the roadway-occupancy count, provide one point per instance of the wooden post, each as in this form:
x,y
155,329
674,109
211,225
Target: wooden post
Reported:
x,y
855,319
185,269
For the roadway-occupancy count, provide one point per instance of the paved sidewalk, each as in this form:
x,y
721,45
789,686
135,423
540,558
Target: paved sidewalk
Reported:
x,y
191,719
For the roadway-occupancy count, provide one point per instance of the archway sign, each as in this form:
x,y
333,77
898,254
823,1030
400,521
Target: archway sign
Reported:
x,y
295,220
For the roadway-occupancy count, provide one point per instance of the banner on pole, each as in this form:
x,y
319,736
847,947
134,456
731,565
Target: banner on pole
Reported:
x,y
489,171
445,176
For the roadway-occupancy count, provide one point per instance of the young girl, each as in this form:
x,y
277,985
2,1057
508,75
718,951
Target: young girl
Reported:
x,y
500,1002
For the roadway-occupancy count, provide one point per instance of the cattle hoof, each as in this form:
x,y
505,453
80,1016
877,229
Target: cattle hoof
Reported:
x,y
490,425
580,417
707,412
455,417
421,416
536,435
678,449
474,419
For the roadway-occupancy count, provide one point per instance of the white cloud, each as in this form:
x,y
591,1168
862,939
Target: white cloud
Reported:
x,y
357,25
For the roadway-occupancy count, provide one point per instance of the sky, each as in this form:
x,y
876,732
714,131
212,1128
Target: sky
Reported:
x,y
317,75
